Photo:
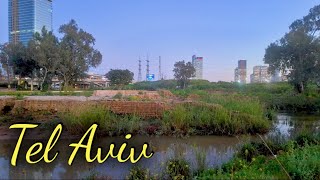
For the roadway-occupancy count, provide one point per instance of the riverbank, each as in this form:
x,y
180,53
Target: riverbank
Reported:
x,y
296,159
265,159
208,152
146,113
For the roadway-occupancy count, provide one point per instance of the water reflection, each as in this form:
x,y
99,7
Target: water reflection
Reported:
x,y
217,149
290,124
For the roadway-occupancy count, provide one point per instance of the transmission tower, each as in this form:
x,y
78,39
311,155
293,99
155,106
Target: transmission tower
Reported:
x,y
139,75
148,67
160,74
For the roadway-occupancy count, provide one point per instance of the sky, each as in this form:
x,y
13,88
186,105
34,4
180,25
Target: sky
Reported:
x,y
222,32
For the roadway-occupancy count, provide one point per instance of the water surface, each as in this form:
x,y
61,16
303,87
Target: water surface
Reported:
x,y
218,150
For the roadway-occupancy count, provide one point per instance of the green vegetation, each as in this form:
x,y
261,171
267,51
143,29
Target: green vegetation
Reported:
x,y
188,119
138,173
119,78
178,169
269,159
183,71
271,96
298,159
208,119
80,118
47,56
298,50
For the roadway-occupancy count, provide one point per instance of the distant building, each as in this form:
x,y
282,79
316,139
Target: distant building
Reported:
x,y
27,17
240,73
260,74
93,81
197,63
242,64
276,76
90,81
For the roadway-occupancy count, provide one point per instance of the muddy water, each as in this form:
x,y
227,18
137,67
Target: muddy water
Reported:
x,y
218,150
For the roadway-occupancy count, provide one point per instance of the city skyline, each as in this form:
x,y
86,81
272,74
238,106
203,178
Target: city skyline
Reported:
x,y
175,31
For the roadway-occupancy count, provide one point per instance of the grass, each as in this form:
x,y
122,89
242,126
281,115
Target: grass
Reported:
x,y
208,119
80,118
301,163
187,119
275,96
295,159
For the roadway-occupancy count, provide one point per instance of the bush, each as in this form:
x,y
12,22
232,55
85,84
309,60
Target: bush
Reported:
x,y
138,173
301,163
306,138
117,96
178,169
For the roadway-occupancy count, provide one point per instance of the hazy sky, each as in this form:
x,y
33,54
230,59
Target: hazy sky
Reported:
x,y
220,31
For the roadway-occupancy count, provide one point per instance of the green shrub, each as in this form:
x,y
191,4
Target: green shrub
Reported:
x,y
306,138
301,163
118,96
178,169
138,173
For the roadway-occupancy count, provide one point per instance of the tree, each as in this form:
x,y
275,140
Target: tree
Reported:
x,y
14,59
7,60
298,51
78,54
120,77
183,72
44,50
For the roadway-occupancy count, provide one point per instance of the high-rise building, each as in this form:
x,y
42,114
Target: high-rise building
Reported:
x,y
27,17
240,73
197,63
260,74
242,64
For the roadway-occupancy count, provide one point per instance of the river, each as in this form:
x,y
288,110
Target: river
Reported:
x,y
218,150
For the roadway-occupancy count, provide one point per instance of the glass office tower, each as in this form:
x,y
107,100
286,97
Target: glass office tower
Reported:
x,y
197,63
27,17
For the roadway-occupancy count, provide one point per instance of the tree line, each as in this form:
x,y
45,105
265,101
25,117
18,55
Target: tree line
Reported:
x,y
46,56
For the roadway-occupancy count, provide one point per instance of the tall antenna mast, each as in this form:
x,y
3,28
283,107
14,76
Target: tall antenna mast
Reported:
x,y
148,70
139,75
160,74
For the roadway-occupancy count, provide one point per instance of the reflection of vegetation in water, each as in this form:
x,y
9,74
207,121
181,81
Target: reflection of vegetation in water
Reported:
x,y
201,159
293,124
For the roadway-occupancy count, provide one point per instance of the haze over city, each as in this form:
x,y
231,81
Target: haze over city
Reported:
x,y
221,32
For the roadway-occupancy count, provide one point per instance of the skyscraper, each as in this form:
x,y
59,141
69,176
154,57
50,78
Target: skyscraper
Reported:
x,y
260,74
27,17
240,73
197,63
